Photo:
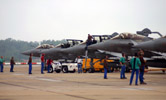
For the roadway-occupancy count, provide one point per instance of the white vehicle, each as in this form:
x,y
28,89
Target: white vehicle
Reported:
x,y
64,67
69,67
55,66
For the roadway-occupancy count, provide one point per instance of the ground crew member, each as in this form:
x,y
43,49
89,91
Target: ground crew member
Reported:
x,y
123,66
42,64
1,63
12,63
135,63
79,64
142,69
88,41
105,67
30,64
49,61
141,53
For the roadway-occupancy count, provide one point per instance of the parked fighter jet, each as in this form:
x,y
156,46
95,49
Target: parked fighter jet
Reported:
x,y
37,51
45,47
132,43
115,46
122,43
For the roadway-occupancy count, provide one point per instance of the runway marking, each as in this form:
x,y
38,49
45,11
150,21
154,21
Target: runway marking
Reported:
x,y
149,89
28,87
52,80
87,83
44,79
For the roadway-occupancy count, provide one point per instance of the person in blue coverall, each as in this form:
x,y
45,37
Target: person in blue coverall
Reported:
x,y
1,63
105,67
142,67
30,64
12,63
123,66
135,63
42,64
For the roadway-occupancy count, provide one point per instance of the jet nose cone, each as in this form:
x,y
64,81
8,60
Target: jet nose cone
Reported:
x,y
26,52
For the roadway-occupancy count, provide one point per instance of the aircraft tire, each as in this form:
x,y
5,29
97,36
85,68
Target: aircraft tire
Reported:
x,y
163,71
91,70
102,70
112,69
84,70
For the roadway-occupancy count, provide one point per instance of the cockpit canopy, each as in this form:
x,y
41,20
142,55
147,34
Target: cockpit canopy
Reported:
x,y
45,46
100,38
129,36
70,43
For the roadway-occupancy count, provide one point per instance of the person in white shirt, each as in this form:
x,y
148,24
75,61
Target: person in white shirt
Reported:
x,y
79,64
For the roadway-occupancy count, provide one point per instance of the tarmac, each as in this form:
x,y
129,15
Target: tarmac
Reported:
x,y
19,85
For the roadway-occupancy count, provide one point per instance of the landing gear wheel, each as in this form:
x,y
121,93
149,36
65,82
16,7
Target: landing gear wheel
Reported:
x,y
112,69
163,71
84,70
91,70
102,70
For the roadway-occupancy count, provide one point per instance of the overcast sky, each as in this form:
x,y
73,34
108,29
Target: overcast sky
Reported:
x,y
37,20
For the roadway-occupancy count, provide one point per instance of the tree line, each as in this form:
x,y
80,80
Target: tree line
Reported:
x,y
11,47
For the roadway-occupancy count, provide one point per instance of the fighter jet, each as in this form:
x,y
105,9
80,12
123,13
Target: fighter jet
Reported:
x,y
37,51
124,42
45,47
132,43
